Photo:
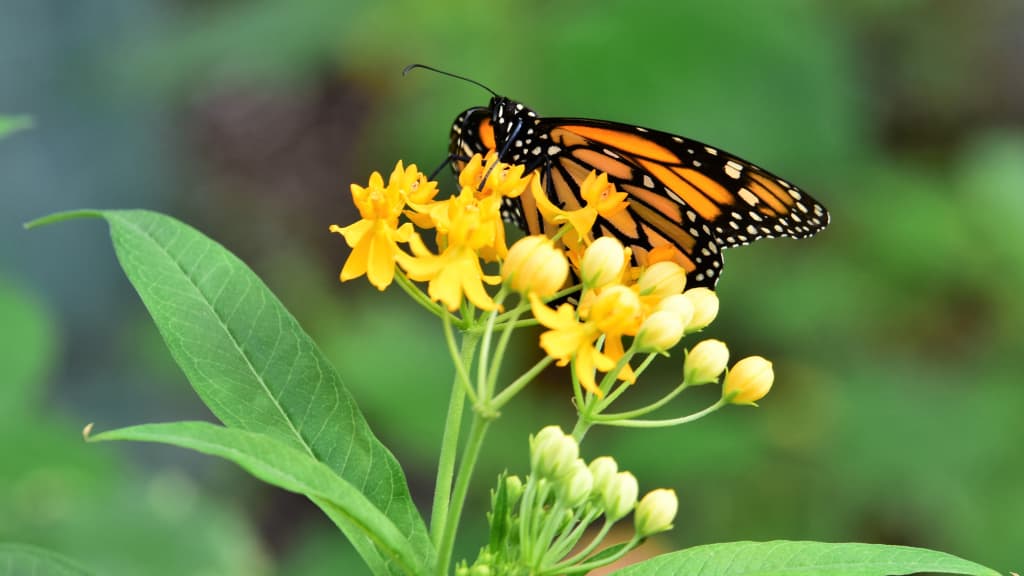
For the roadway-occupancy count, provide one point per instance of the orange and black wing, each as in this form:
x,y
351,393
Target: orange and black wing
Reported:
x,y
682,193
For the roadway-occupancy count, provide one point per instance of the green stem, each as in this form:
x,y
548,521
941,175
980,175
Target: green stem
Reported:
x,y
460,359
470,454
512,389
582,554
483,368
499,351
450,443
649,408
662,423
417,295
587,567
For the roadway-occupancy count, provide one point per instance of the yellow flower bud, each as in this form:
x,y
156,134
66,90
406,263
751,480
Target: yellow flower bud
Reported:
x,y
616,310
705,362
655,512
552,453
679,305
662,279
619,496
576,484
534,265
660,331
705,308
603,262
748,381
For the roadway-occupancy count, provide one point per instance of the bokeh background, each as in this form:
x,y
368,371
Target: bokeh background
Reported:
x,y
897,333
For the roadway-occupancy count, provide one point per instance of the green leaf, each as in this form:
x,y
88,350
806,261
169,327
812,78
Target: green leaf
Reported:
x,y
11,124
283,466
786,558
250,361
24,560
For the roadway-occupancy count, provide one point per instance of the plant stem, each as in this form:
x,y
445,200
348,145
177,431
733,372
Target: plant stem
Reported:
x,y
662,423
450,442
470,454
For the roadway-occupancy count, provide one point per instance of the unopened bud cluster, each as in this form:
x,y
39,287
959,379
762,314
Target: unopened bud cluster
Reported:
x,y
535,524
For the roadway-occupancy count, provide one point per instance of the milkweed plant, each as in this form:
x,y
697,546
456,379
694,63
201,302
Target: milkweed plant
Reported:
x,y
287,418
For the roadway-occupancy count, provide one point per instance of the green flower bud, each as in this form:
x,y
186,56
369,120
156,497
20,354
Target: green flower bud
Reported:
x,y
576,484
619,496
513,489
603,470
705,362
656,512
552,453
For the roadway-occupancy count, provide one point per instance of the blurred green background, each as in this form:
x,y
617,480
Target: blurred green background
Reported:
x,y
896,334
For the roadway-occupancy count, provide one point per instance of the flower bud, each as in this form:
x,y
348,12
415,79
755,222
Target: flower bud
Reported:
x,y
576,484
660,331
616,310
603,470
705,362
603,262
705,308
534,265
679,305
619,496
748,381
552,453
513,490
656,512
662,279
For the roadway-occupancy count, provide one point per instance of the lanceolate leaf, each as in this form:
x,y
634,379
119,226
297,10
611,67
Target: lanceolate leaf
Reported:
x,y
250,361
785,558
285,467
24,560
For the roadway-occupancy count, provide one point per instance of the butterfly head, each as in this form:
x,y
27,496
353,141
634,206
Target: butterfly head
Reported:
x,y
503,126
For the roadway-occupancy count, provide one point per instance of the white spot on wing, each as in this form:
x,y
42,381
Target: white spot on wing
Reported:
x,y
733,169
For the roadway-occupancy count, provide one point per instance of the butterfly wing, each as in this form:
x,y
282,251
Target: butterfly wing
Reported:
x,y
687,200
682,193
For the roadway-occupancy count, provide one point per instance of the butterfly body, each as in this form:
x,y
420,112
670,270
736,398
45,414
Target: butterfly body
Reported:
x,y
684,196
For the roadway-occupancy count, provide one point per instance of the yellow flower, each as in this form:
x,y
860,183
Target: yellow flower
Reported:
x,y
535,265
569,339
748,381
616,310
600,197
503,180
454,273
467,229
374,239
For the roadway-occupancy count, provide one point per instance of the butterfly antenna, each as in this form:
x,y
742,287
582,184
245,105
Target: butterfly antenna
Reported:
x,y
432,69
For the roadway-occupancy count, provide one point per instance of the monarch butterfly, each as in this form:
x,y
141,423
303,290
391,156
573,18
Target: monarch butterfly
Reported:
x,y
684,196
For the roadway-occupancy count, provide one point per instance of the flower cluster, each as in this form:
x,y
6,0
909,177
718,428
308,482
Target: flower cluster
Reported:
x,y
624,311
468,228
537,526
